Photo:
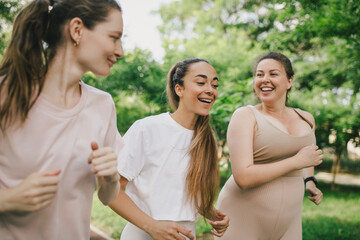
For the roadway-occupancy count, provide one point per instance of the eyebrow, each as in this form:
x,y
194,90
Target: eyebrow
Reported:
x,y
204,76
269,71
117,32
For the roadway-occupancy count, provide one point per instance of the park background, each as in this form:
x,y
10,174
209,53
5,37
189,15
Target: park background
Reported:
x,y
322,38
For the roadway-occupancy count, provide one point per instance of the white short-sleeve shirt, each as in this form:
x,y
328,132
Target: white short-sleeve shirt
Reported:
x,y
155,160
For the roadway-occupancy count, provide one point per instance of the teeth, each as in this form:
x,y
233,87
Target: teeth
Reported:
x,y
205,100
266,89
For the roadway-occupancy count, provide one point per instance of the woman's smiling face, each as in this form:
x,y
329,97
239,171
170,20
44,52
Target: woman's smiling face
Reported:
x,y
199,90
101,47
270,81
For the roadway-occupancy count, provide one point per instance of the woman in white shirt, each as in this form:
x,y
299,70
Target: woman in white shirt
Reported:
x,y
169,162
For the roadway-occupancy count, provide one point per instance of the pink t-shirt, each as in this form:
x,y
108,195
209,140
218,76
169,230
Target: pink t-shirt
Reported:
x,y
54,138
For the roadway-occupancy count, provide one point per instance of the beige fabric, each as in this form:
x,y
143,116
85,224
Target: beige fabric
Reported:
x,y
51,139
271,211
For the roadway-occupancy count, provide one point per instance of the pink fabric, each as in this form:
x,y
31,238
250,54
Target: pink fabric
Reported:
x,y
51,139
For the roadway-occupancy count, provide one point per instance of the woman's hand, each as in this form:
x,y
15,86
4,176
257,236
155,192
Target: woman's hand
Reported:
x,y
220,224
309,156
315,194
104,162
166,230
34,193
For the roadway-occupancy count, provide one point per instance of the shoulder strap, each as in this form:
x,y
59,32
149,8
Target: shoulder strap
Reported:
x,y
259,118
302,117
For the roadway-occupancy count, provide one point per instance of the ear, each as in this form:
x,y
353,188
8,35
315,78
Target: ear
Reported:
x,y
290,82
76,28
179,90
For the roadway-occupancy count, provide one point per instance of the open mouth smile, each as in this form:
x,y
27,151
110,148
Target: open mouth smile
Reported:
x,y
266,89
206,100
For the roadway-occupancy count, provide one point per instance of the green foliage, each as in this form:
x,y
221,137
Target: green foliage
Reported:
x,y
137,84
334,114
8,10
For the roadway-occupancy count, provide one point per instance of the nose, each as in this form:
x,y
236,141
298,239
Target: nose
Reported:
x,y
265,78
119,52
210,89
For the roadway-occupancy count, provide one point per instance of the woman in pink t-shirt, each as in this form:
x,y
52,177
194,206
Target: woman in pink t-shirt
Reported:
x,y
58,136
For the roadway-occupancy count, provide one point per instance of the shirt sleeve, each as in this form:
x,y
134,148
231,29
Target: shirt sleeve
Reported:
x,y
131,157
113,138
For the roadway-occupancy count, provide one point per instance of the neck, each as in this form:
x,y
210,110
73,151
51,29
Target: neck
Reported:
x,y
273,109
61,85
184,118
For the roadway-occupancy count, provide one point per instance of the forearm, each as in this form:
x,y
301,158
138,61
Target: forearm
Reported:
x,y
257,174
308,172
108,190
126,208
5,200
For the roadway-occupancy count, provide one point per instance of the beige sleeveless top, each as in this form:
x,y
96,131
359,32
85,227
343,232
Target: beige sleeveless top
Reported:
x,y
272,144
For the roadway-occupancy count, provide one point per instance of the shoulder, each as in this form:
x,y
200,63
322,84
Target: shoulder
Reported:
x,y
245,113
146,127
148,123
242,118
152,120
95,92
306,115
98,98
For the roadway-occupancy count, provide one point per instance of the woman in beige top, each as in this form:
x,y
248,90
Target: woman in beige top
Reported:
x,y
272,149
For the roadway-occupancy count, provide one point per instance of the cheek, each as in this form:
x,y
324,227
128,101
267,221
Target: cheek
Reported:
x,y
256,85
216,94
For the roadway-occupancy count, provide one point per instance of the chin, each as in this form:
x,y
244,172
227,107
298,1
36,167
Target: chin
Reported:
x,y
101,73
203,113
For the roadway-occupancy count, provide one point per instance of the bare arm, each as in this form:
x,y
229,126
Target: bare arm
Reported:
x,y
125,207
246,174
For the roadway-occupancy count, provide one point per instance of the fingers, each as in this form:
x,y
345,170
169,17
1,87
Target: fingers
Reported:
x,y
40,205
36,191
316,195
184,231
94,146
103,166
42,191
52,173
316,198
219,214
98,153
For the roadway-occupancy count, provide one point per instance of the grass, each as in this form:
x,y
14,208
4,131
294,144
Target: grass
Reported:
x,y
337,217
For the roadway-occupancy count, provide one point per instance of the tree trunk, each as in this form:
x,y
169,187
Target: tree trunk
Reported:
x,y
335,169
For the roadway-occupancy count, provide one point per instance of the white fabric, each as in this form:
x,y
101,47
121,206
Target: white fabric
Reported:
x,y
52,138
132,232
155,160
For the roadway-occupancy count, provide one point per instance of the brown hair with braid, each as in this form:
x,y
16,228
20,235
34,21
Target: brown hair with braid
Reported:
x,y
38,31
202,180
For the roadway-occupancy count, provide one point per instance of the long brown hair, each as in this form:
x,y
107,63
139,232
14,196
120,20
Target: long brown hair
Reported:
x,y
202,180
38,31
